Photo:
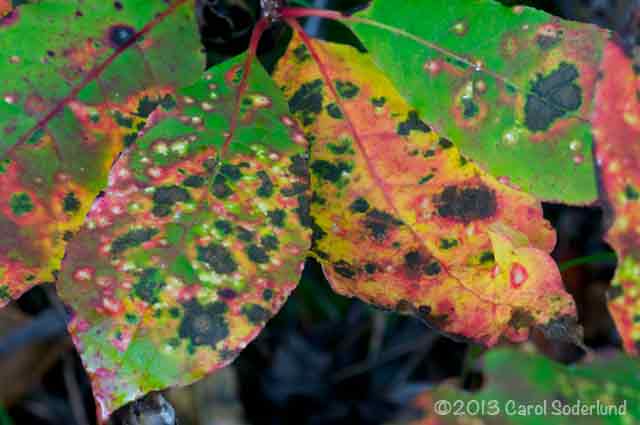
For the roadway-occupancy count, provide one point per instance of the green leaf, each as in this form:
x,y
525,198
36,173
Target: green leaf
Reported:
x,y
512,87
197,242
517,381
79,80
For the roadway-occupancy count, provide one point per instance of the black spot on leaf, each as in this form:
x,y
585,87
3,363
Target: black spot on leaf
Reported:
x,y
132,239
334,111
257,254
345,269
148,286
466,204
120,35
379,222
256,314
306,102
346,89
413,122
218,257
360,205
204,324
266,186
71,203
552,97
329,171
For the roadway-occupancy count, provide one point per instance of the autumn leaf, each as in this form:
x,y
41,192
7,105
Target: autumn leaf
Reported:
x,y
80,79
515,380
506,84
617,132
196,243
402,220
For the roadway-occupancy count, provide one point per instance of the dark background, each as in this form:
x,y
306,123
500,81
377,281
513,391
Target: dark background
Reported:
x,y
325,359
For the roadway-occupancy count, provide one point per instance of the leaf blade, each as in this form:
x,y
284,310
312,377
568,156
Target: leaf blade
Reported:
x,y
393,203
90,77
189,253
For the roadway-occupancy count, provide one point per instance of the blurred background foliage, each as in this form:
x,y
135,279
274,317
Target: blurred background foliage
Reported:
x,y
325,359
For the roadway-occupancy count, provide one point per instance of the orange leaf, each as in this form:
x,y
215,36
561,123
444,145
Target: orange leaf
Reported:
x,y
402,220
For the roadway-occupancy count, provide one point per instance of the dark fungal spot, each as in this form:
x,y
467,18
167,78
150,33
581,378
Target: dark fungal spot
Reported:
x,y
346,89
219,188
425,314
521,319
429,153
345,269
118,5
132,239
334,111
303,210
224,226
218,257
122,120
301,54
546,42
120,35
433,269
631,193
256,314
466,203
148,286
194,181
5,294
244,234
266,186
168,102
487,257
294,189
130,138
425,179
317,232
71,203
204,324
21,203
227,293
231,171
360,205
378,102
267,294
277,217
166,196
341,148
448,243
257,254
414,261
329,171
445,143
316,198
68,235
552,97
299,166
469,108
378,223
370,268
413,122
306,102
269,242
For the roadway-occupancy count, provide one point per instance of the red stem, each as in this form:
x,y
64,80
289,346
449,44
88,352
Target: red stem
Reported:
x,y
300,12
258,30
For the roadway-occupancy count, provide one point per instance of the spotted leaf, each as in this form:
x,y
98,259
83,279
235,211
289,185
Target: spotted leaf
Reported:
x,y
505,84
402,220
524,388
617,131
79,80
196,243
